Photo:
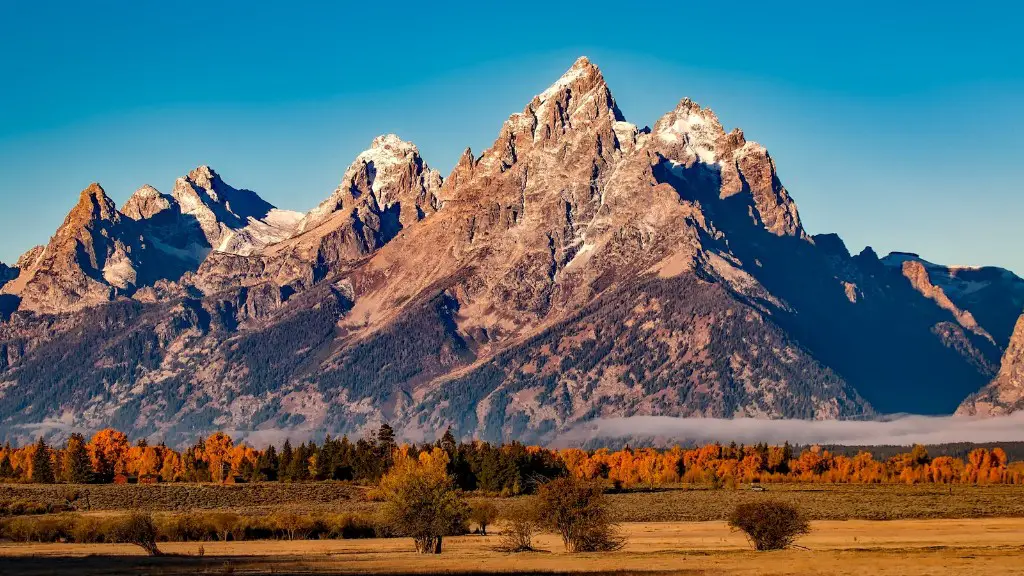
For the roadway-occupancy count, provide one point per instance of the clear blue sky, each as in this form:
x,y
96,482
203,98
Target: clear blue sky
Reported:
x,y
895,126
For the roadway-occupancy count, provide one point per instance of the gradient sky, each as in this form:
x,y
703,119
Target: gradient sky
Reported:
x,y
896,126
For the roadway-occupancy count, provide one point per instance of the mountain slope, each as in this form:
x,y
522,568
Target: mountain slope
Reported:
x,y
1005,393
579,267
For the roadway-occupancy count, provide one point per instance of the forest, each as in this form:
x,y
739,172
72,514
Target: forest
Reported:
x,y
507,469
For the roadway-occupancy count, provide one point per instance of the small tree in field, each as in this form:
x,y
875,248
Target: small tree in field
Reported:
x,y
483,513
137,529
769,525
421,501
578,511
521,524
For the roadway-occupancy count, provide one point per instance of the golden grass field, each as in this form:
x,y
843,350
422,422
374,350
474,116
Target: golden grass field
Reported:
x,y
855,547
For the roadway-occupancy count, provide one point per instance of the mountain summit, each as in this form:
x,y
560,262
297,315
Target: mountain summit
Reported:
x,y
580,267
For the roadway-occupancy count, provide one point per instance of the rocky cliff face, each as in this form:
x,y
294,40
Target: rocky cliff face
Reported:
x,y
95,255
7,274
579,267
1005,393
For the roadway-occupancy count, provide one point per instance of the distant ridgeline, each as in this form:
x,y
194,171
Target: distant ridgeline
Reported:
x,y
505,469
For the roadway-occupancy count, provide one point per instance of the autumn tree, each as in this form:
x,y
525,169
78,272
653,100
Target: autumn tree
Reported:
x,y
422,502
483,513
107,451
577,511
217,448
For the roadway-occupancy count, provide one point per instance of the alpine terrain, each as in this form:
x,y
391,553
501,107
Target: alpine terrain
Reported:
x,y
580,267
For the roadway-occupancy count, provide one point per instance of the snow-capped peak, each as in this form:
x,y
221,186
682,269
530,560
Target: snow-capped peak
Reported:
x,y
698,128
582,67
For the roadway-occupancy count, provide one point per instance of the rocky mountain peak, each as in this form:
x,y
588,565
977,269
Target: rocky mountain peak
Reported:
x,y
146,203
221,211
389,180
204,177
7,274
93,204
690,133
94,255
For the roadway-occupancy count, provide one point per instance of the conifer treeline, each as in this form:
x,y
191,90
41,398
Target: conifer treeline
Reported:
x,y
506,469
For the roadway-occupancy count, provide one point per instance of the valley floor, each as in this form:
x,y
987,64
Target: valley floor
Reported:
x,y
897,547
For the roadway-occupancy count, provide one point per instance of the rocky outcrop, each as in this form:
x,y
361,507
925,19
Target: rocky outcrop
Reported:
x,y
387,189
95,255
1005,393
229,219
7,274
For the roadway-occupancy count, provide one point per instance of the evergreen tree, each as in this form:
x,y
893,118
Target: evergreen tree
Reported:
x,y
448,443
76,467
298,468
285,461
386,446
42,468
344,452
266,465
6,468
325,460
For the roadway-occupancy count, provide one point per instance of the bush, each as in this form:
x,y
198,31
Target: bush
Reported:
x,y
577,511
769,525
421,501
520,525
483,513
136,528
293,526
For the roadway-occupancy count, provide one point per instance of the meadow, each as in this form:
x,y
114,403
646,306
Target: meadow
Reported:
x,y
899,547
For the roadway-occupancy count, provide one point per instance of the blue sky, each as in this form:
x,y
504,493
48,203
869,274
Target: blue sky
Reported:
x,y
895,126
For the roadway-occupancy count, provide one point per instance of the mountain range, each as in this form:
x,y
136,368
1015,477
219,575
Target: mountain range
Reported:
x,y
580,267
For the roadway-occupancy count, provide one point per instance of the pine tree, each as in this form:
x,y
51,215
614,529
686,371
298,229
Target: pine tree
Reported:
x,y
42,468
325,460
6,468
76,467
285,461
448,443
266,465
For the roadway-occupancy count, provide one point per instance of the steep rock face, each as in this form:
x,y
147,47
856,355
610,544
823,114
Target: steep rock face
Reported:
x,y
1005,393
230,220
389,179
991,296
95,254
387,189
7,274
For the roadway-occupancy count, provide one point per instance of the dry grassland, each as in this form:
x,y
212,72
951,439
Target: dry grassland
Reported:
x,y
903,547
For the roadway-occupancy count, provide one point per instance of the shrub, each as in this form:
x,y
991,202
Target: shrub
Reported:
x,y
87,530
136,528
577,510
483,513
292,525
769,525
421,501
222,524
520,525
42,529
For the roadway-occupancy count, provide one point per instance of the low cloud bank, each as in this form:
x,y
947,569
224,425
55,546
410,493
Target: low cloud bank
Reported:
x,y
895,430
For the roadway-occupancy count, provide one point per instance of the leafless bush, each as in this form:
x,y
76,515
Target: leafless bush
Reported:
x,y
521,524
578,511
769,525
